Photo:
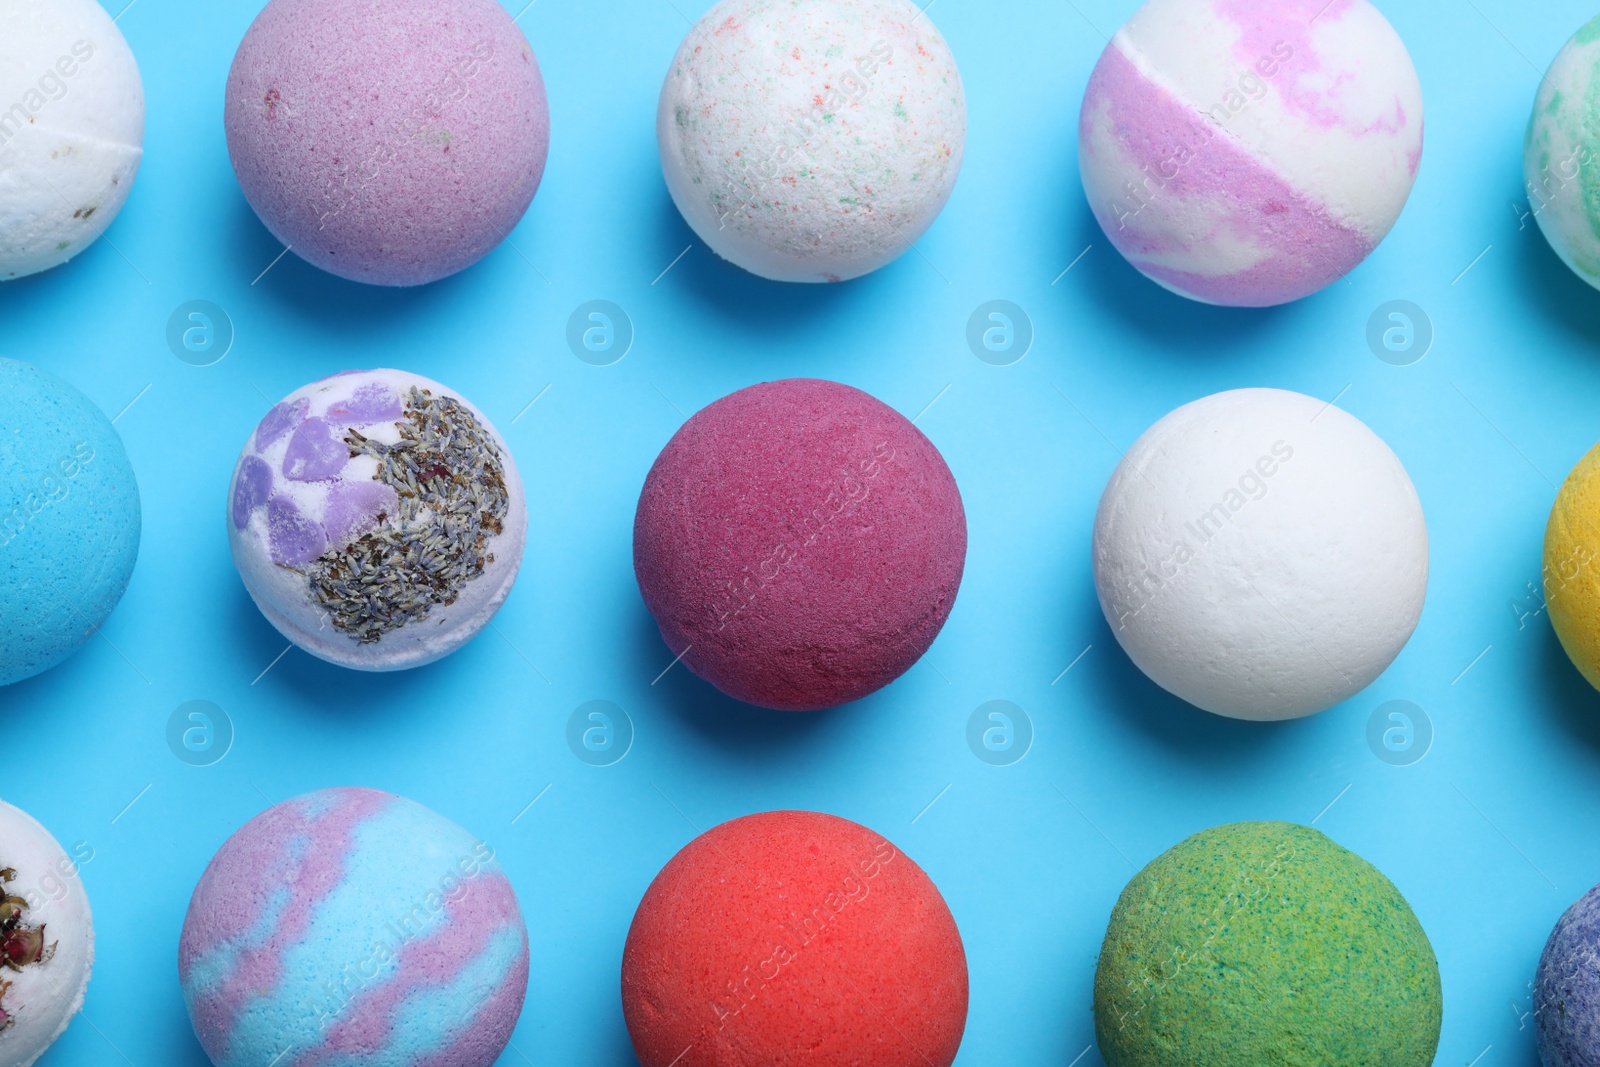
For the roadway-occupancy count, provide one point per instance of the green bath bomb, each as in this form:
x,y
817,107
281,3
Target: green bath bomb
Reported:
x,y
1264,943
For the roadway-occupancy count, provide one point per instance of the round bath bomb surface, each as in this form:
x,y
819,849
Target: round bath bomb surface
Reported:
x,y
790,939
1250,152
349,926
46,937
377,519
800,544
1566,988
1560,167
815,141
1261,554
391,143
71,132
1265,943
1572,568
69,520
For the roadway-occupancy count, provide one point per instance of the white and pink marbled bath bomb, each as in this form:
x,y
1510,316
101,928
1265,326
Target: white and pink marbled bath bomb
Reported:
x,y
812,141
1250,152
392,143
377,519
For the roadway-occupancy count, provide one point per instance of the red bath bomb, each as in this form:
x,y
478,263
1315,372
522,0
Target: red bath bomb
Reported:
x,y
800,543
793,938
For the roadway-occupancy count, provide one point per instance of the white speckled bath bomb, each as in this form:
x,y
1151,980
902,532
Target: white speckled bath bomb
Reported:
x,y
1261,554
377,519
812,140
1561,167
46,937
71,130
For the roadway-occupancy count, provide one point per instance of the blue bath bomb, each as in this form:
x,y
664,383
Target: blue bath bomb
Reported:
x,y
1566,989
69,520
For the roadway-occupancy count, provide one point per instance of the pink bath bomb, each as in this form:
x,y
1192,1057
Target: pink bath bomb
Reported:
x,y
793,939
393,143
800,544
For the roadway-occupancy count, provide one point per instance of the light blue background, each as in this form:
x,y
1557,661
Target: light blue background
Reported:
x,y
1491,835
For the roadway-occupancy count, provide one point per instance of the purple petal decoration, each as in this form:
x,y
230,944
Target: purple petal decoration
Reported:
x,y
314,454
279,421
294,539
251,489
354,507
373,402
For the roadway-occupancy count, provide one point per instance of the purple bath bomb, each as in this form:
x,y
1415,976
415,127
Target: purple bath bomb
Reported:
x,y
800,544
349,926
1566,988
1250,152
392,143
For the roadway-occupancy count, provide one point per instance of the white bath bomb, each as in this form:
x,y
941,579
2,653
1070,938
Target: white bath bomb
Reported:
x,y
46,938
1261,554
812,140
71,130
377,519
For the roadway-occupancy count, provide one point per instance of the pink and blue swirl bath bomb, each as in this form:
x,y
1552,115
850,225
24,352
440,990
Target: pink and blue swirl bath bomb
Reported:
x,y
1566,988
348,927
69,520
392,143
800,544
1250,152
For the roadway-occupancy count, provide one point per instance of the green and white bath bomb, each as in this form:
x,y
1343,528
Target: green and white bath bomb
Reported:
x,y
1561,158
71,130
1263,943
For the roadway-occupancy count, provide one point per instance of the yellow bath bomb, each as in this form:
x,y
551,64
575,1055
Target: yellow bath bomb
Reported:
x,y
1571,579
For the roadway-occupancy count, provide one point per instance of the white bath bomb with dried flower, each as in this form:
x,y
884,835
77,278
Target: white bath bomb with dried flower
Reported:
x,y
815,141
46,938
1261,554
377,519
71,130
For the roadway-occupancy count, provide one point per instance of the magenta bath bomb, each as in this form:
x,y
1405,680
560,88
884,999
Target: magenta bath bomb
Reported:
x,y
393,143
349,927
377,519
800,544
1250,152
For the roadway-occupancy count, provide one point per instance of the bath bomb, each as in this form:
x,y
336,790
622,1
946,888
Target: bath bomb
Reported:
x,y
814,141
1560,167
790,939
1250,152
1261,554
46,937
349,926
1265,943
800,544
71,130
377,519
1566,988
391,143
1571,582
69,520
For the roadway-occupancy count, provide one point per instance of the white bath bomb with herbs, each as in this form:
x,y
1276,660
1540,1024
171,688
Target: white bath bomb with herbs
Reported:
x,y
1261,554
46,937
377,519
812,141
71,130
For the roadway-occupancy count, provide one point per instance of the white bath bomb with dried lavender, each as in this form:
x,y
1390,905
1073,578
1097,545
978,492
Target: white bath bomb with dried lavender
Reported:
x,y
812,141
71,130
377,519
46,938
1261,554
